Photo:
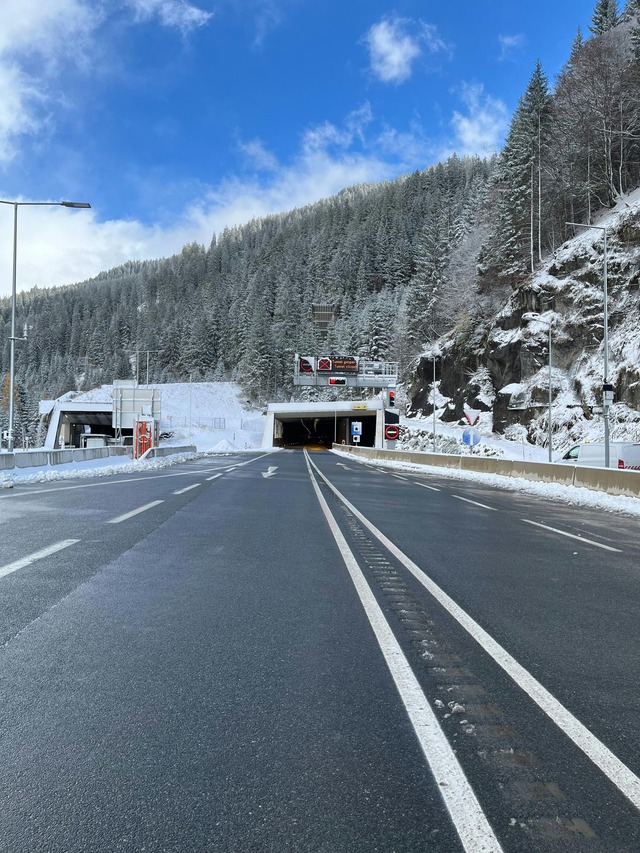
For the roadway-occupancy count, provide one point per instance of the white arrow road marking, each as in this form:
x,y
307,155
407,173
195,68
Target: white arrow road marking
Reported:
x,y
38,555
133,512
270,471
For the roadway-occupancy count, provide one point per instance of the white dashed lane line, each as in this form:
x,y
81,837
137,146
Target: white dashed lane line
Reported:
x,y
187,489
38,555
424,486
475,503
133,512
572,536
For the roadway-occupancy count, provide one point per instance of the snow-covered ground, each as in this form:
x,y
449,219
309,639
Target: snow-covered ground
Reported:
x,y
211,415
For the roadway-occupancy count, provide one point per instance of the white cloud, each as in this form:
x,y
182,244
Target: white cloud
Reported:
x,y
258,157
482,128
396,43
509,45
46,37
171,13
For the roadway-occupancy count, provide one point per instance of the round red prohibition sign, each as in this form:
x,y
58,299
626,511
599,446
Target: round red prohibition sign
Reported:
x,y
392,432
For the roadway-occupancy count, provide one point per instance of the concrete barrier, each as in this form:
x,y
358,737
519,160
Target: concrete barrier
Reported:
x,y
611,481
120,450
60,457
32,459
543,472
482,464
155,452
90,453
6,461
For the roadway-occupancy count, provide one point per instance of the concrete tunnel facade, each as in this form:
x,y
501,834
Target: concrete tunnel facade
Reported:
x,y
299,424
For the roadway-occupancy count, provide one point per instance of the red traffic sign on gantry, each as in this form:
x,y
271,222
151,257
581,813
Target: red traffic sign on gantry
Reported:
x,y
392,432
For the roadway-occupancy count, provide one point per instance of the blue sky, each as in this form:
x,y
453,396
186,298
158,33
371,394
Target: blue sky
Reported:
x,y
175,118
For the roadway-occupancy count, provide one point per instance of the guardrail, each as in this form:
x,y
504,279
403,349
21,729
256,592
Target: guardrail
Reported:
x,y
611,480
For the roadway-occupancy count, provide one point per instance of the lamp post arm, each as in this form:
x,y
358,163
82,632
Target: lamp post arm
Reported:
x,y
12,356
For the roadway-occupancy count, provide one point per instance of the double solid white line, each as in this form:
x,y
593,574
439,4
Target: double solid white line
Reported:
x,y
472,826
607,762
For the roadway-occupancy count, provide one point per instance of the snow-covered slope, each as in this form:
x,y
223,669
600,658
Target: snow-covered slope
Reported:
x,y
565,295
210,415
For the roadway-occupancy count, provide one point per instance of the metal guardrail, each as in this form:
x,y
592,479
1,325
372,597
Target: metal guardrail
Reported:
x,y
609,480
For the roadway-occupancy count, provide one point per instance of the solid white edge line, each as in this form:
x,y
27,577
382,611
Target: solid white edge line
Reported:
x,y
471,824
572,536
187,489
475,503
133,512
613,768
38,555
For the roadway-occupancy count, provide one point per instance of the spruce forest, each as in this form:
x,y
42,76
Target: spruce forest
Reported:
x,y
401,263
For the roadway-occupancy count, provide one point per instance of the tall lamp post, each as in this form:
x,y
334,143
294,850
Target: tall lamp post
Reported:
x,y
607,388
13,338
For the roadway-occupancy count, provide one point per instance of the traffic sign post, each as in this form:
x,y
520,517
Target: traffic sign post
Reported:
x,y
471,437
391,434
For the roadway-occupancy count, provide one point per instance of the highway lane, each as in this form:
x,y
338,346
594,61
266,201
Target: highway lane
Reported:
x,y
36,516
212,687
206,677
565,608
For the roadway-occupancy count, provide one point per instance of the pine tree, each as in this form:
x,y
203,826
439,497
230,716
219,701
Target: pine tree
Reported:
x,y
576,47
630,12
605,17
517,185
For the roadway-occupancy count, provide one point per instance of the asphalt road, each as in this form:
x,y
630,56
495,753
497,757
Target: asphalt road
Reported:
x,y
298,652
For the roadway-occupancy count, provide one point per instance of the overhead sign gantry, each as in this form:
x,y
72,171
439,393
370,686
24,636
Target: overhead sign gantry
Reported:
x,y
347,371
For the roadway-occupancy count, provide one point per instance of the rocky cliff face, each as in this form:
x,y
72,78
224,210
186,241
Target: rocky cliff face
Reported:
x,y
501,367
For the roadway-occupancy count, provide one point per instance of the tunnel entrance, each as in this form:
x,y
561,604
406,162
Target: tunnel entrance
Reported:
x,y
323,432
318,425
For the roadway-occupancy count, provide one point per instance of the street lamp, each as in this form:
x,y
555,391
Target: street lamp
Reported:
x,y
13,339
607,388
434,403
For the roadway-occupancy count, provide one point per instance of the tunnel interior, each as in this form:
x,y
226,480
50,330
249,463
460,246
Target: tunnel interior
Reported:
x,y
322,432
80,422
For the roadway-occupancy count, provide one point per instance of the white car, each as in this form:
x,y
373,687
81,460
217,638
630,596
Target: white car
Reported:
x,y
622,454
